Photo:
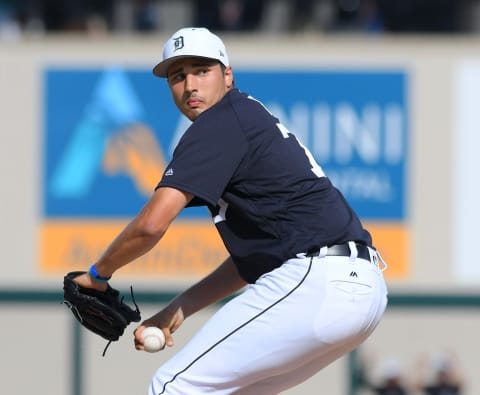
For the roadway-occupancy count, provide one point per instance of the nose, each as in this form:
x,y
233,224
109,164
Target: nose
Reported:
x,y
190,82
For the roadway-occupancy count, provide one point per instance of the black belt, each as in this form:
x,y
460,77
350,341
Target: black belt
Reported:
x,y
343,250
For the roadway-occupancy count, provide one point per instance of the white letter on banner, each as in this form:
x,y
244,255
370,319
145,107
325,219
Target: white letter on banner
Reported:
x,y
393,134
352,134
321,139
298,120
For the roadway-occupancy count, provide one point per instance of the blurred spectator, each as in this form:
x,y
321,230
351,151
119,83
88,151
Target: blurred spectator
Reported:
x,y
301,14
422,16
10,28
74,15
145,16
389,380
392,381
358,15
445,376
62,15
234,15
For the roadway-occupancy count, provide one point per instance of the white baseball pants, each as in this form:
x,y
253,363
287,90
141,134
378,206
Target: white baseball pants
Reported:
x,y
281,330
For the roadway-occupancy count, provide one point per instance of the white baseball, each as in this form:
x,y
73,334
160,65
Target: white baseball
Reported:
x,y
153,339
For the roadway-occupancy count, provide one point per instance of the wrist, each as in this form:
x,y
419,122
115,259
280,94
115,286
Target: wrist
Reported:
x,y
92,271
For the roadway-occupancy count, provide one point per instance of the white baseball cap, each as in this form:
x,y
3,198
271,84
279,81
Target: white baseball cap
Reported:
x,y
188,42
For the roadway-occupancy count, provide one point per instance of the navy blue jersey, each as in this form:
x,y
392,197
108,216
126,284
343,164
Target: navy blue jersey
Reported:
x,y
268,197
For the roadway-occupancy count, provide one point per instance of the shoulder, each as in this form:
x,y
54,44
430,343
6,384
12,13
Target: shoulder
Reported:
x,y
241,101
223,109
228,113
237,112
251,111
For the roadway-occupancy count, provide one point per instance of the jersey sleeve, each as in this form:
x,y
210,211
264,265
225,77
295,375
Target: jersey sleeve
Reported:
x,y
206,157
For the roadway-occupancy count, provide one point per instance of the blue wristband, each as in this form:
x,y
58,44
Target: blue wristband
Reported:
x,y
93,273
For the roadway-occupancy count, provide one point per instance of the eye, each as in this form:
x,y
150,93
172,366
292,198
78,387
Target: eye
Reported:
x,y
176,78
203,71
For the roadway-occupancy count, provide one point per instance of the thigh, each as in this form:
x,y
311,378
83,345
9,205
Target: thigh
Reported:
x,y
229,351
224,354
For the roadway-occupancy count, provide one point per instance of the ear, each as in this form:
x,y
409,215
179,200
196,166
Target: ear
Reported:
x,y
228,77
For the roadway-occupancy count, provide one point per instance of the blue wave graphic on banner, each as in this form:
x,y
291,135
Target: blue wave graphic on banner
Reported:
x,y
113,105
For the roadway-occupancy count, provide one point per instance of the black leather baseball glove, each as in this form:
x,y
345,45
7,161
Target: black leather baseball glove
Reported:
x,y
103,313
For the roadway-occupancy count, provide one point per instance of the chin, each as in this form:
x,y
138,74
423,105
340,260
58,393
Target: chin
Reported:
x,y
192,115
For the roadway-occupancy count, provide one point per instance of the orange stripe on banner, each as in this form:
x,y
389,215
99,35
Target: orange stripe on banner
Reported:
x,y
190,249
393,242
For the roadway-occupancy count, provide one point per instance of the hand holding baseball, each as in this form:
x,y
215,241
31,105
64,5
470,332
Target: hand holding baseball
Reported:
x,y
153,339
169,319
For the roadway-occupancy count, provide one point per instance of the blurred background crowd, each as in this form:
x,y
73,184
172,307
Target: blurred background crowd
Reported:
x,y
437,374
23,17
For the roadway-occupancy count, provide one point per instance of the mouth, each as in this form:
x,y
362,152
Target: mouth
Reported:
x,y
193,102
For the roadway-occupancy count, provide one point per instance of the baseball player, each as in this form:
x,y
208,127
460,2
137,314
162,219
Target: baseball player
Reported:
x,y
311,282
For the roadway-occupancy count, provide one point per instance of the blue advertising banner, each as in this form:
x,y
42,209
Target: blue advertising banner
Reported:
x,y
99,122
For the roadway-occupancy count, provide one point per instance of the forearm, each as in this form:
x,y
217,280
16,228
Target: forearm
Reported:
x,y
144,231
130,244
222,282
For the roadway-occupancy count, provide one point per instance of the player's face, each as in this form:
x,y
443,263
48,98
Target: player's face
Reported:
x,y
197,84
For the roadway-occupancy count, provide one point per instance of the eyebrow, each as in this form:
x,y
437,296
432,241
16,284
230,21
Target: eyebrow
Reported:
x,y
203,63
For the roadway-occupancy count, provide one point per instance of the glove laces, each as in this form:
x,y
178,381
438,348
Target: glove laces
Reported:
x,y
136,309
